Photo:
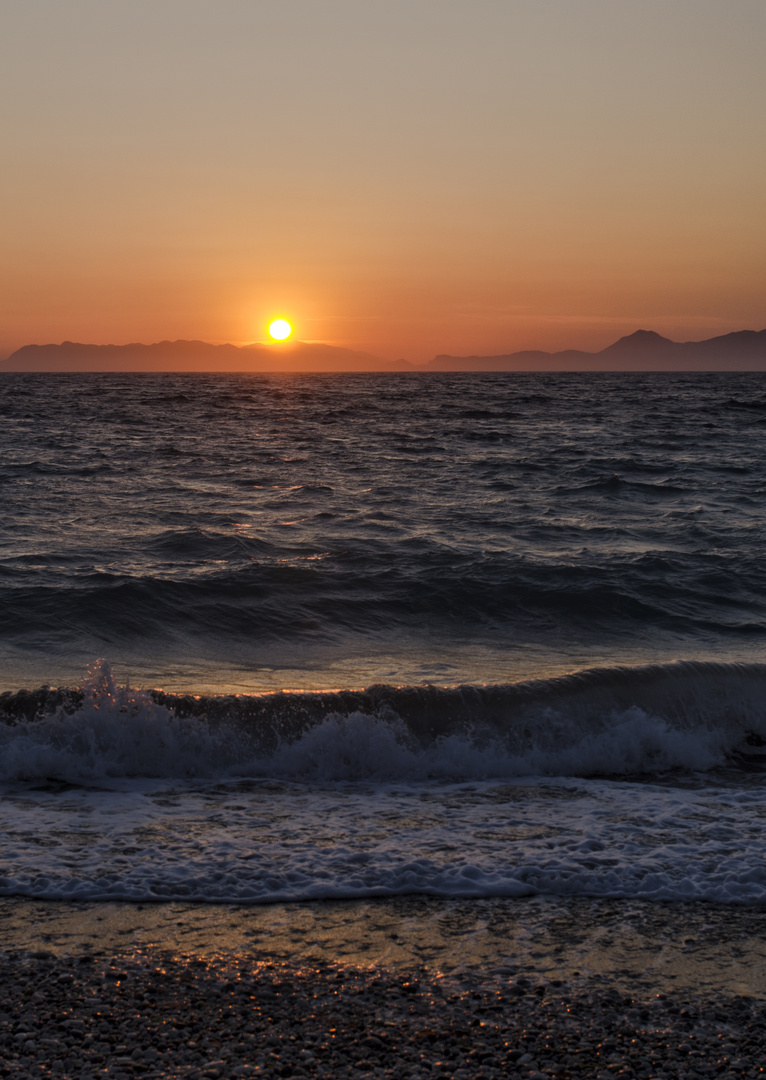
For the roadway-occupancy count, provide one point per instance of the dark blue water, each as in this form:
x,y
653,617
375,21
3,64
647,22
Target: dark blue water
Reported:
x,y
365,536
249,531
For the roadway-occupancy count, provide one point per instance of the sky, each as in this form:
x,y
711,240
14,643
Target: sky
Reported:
x,y
407,177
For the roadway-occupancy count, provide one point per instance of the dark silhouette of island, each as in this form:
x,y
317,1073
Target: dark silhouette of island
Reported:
x,y
645,350
70,356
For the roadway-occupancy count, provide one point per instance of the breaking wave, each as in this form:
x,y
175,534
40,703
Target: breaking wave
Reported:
x,y
616,721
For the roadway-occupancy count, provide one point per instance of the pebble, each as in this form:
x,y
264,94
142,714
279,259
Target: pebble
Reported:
x,y
159,1017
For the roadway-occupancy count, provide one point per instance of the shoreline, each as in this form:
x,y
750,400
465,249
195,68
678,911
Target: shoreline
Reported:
x,y
637,946
398,989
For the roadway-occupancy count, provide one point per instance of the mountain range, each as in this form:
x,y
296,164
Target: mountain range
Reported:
x,y
195,356
644,350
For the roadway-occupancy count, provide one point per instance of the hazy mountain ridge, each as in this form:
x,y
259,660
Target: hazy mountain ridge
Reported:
x,y
201,356
644,350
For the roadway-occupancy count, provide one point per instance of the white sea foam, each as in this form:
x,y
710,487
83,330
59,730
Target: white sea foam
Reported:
x,y
365,747
121,798
267,841
144,739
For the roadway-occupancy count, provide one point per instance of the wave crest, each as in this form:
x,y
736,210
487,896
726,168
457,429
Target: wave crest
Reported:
x,y
608,721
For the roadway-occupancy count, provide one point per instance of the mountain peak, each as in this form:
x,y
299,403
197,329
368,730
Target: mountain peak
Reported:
x,y
640,340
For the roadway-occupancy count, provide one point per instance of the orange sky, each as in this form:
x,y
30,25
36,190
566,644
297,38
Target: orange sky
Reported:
x,y
409,178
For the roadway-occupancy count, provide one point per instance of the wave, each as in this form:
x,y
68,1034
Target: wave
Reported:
x,y
221,588
616,721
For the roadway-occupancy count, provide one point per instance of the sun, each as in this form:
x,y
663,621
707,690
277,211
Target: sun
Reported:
x,y
280,329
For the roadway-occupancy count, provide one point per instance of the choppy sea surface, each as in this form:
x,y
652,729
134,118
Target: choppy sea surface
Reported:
x,y
271,639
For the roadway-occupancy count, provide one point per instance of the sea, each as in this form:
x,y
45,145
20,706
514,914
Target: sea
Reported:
x,y
271,639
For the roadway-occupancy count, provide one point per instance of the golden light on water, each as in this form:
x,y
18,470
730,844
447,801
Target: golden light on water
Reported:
x,y
280,329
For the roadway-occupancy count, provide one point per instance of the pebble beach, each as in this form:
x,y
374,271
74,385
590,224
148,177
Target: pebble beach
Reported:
x,y
106,995
162,1017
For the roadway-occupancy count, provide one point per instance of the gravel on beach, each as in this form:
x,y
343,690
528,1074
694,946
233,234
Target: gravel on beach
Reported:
x,y
158,1016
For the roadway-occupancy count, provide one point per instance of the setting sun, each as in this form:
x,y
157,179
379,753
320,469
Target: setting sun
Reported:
x,y
280,329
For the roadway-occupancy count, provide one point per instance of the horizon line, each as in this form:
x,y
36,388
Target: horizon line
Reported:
x,y
640,350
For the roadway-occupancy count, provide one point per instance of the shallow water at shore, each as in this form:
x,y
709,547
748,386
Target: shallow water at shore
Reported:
x,y
692,949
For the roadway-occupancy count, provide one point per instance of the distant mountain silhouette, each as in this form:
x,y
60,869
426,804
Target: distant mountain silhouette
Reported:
x,y
641,342
195,356
645,350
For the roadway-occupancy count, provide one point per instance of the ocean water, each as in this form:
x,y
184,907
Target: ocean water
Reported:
x,y
268,639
